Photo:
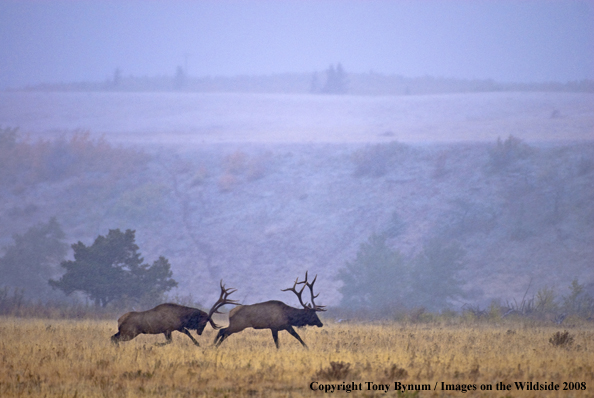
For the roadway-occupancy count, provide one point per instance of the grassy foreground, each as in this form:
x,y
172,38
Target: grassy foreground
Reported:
x,y
61,358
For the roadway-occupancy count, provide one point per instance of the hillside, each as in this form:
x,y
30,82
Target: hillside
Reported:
x,y
257,206
260,215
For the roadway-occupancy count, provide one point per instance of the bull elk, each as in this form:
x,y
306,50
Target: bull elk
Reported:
x,y
274,315
166,318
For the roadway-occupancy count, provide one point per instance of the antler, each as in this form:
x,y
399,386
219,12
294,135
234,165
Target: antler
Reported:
x,y
310,285
315,307
221,302
292,289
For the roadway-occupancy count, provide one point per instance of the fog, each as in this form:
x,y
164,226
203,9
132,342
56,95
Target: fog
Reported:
x,y
433,155
510,41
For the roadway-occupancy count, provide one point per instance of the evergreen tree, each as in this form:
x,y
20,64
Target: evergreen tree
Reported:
x,y
435,275
33,258
336,82
578,302
180,80
117,77
111,269
375,279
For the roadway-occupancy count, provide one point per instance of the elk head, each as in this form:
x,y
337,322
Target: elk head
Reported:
x,y
308,315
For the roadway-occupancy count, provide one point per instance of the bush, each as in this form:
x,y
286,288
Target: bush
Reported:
x,y
545,300
505,153
395,372
227,182
336,371
141,203
239,163
375,160
235,163
9,304
25,162
561,339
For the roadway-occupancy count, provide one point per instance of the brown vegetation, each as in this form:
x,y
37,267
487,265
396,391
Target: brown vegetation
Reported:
x,y
55,358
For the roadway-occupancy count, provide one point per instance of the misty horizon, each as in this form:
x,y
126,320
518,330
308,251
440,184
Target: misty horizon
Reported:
x,y
171,75
506,41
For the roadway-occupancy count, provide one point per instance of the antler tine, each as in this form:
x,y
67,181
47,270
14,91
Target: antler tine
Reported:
x,y
310,285
292,289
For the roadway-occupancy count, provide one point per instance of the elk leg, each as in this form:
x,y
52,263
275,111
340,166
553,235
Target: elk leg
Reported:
x,y
116,338
275,337
221,336
294,334
167,339
187,333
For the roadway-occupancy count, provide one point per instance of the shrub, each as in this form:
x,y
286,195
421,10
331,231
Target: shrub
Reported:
x,y
336,371
24,162
227,182
375,160
235,163
505,153
561,339
439,167
256,169
395,372
142,202
545,300
10,304
200,176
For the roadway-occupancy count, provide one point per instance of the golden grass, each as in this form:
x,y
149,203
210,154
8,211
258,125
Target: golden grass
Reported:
x,y
60,358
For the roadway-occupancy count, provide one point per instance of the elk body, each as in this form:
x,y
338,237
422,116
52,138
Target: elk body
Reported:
x,y
274,315
167,318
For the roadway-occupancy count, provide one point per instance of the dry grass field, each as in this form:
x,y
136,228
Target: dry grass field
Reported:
x,y
62,358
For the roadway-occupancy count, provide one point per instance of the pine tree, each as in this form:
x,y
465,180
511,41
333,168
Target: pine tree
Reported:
x,y
435,275
336,82
376,277
112,269
33,259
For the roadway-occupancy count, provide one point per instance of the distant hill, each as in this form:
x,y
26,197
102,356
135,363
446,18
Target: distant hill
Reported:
x,y
301,83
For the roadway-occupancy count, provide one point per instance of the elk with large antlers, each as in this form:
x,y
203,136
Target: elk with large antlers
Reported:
x,y
167,318
274,315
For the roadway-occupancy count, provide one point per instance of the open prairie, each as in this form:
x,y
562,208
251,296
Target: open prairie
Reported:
x,y
185,118
59,358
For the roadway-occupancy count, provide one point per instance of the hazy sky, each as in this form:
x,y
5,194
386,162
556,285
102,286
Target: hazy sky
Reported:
x,y
509,41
